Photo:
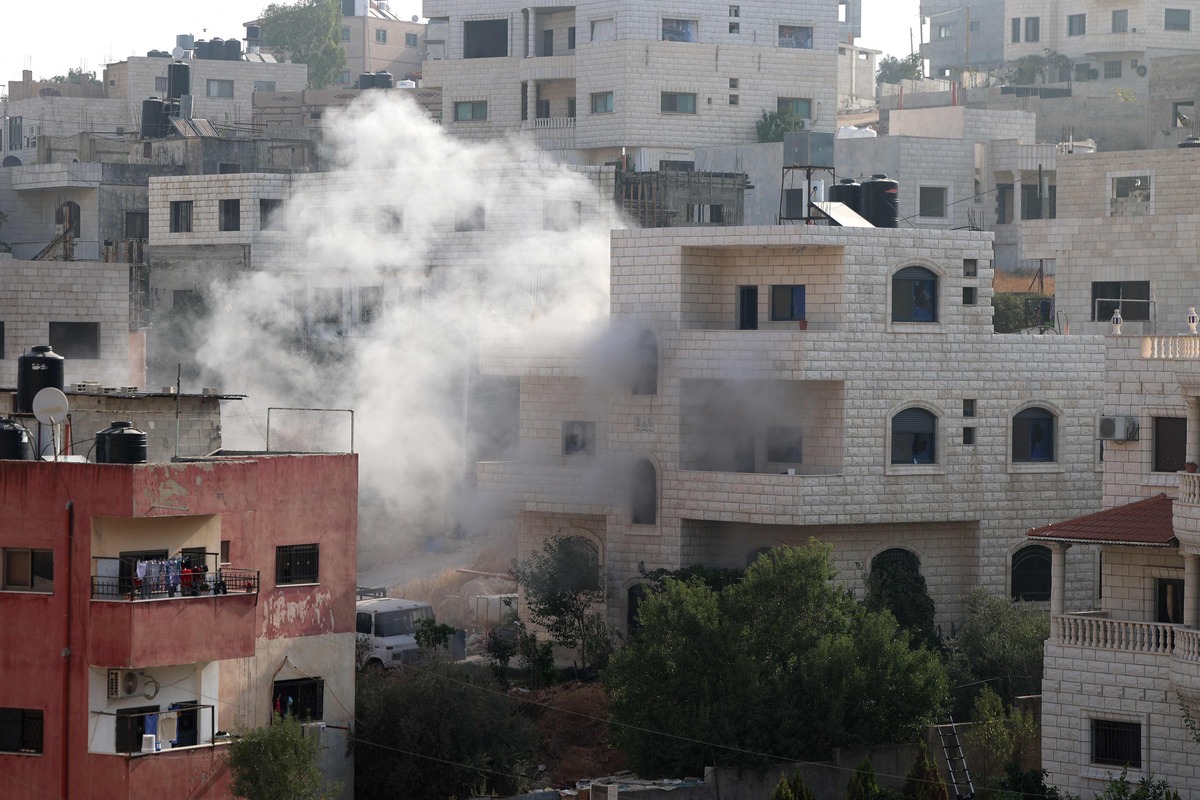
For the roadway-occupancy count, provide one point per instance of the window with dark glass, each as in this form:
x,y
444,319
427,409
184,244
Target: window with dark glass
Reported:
x,y
230,215
1016,30
1168,605
471,111
1033,29
643,500
1031,573
270,216
932,201
678,103
1117,744
21,730
602,102
785,445
1033,435
25,569
680,30
914,437
76,339
1120,21
633,599
1132,297
1170,444
796,36
578,437
303,698
798,107
1076,24
645,364
485,38
914,295
1177,19
181,216
297,563
787,303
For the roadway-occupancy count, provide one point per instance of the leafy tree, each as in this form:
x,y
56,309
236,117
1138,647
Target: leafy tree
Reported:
x,y
1001,644
862,785
774,124
923,781
1147,788
563,583
999,743
784,663
1028,70
895,584
77,76
783,789
894,70
308,32
1013,311
715,578
432,636
440,730
277,762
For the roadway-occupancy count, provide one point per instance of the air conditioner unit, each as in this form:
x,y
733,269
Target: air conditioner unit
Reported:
x,y
1119,429
123,683
313,730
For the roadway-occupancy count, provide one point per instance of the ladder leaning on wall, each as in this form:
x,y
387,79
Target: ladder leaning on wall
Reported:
x,y
956,761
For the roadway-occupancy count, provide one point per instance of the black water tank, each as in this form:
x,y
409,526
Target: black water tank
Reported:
x,y
216,48
202,49
366,80
152,115
15,444
37,369
881,201
121,443
179,80
848,192
383,80
233,49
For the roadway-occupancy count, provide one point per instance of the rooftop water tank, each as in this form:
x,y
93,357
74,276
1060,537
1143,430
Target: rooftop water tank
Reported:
x,y
848,192
233,49
121,443
383,79
37,369
881,202
15,444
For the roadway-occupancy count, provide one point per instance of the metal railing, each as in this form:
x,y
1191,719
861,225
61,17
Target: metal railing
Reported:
x,y
194,584
134,730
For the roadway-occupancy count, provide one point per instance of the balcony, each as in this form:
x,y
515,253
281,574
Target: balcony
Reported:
x,y
547,68
1103,633
1185,513
1171,348
552,133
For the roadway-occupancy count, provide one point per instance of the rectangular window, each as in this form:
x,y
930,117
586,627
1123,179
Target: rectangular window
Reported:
x,y
345,33
1183,115
735,11
326,306
787,303
1076,24
706,213
27,570
76,339
747,308
796,36
160,83
676,102
370,304
1120,21
571,108
974,26
734,99
303,698
578,437
969,296
485,38
380,36
1033,29
797,107
944,31
1016,30
1168,601
264,86
225,551
932,201
230,215
735,27
785,445
181,216
1177,19
1170,443
21,730
680,30
602,102
1117,744
968,435
969,407
470,111
1135,186
604,30
1112,69
561,216
470,219
543,109
270,214
548,43
297,563
970,267
412,40
571,38
1132,297
137,224
219,88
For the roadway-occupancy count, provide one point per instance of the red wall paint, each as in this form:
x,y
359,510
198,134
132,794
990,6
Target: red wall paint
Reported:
x,y
263,502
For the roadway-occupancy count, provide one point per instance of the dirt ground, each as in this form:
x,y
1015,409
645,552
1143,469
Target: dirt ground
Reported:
x,y
1025,282
574,736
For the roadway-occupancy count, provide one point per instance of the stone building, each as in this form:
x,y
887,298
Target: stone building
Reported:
x,y
768,385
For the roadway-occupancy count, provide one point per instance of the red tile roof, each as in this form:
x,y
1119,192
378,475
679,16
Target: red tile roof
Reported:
x,y
1145,522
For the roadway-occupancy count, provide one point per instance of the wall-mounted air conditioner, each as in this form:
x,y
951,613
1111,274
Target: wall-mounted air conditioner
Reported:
x,y
130,682
1119,429
314,730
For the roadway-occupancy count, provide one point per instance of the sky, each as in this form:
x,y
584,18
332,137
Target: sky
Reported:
x,y
91,33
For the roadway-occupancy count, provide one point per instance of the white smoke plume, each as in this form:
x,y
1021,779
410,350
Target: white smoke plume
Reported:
x,y
304,328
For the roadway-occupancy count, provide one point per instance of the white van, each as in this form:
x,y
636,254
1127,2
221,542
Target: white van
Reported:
x,y
388,626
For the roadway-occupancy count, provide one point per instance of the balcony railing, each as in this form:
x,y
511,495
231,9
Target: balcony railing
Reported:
x,y
1171,348
1187,645
1114,634
197,584
554,122
1189,487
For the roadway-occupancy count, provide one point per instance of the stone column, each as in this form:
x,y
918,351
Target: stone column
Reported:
x,y
1191,574
1016,189
1058,577
531,35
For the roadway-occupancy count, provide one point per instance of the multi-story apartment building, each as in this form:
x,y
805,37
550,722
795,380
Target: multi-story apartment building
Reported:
x,y
963,36
1098,36
377,40
1118,668
776,384
599,80
150,609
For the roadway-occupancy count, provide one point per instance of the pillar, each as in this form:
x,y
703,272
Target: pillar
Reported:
x,y
531,35
1191,574
1058,577
1016,189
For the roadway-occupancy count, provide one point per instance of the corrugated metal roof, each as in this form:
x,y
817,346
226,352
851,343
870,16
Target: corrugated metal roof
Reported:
x,y
1144,522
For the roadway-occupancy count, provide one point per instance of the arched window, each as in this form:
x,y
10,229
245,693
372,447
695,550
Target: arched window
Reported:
x,y
1033,435
1031,573
578,564
914,295
643,495
645,372
914,437
633,599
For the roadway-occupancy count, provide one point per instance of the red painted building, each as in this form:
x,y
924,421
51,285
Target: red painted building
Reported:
x,y
146,609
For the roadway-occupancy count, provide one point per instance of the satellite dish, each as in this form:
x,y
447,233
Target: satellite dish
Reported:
x,y
177,52
416,18
50,406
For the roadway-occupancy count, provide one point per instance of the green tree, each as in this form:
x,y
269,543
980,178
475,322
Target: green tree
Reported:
x,y
894,70
1147,788
437,731
1000,644
785,663
308,32
774,124
895,584
77,76
923,781
1015,311
862,785
563,585
277,762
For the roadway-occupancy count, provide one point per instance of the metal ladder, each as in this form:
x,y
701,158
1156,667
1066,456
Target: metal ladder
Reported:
x,y
956,762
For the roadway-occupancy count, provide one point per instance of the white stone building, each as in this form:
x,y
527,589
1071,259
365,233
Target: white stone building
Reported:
x,y
1117,668
377,40
594,79
786,383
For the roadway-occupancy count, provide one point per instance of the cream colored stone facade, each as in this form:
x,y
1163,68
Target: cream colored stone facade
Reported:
x,y
725,397
1145,28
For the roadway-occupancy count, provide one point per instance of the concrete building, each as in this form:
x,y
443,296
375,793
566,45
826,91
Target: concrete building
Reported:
x,y
856,78
1118,667
594,80
376,40
776,384
135,679
963,36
